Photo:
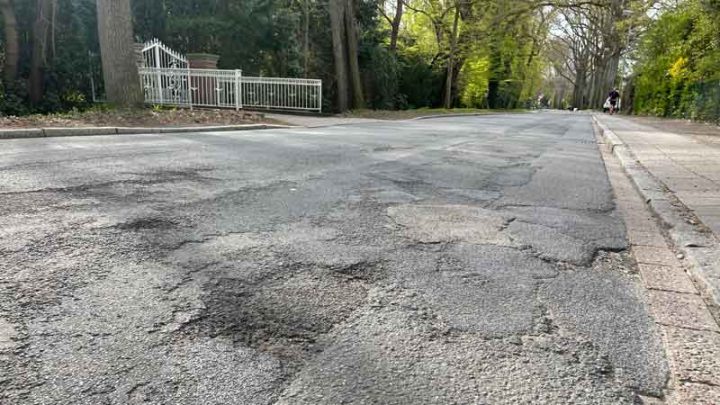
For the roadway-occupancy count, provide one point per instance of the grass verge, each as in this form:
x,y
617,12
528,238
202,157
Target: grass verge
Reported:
x,y
420,112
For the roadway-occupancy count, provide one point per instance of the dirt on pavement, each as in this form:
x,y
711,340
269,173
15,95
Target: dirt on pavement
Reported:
x,y
145,117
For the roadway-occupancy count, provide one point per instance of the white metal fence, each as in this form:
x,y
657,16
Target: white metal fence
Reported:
x,y
228,89
282,93
168,80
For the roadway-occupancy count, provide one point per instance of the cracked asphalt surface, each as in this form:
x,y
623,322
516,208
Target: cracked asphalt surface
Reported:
x,y
464,260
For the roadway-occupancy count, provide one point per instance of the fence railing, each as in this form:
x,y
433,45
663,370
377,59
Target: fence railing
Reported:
x,y
290,94
228,89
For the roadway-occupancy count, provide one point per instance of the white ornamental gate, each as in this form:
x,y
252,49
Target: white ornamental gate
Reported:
x,y
168,80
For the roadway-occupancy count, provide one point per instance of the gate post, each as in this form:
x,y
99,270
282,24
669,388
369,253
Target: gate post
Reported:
x,y
319,89
189,89
238,90
158,65
205,78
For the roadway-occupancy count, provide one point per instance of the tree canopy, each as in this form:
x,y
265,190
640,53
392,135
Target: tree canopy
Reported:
x,y
390,54
678,60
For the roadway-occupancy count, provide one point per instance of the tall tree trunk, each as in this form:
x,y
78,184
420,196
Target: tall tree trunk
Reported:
x,y
41,27
599,87
579,90
352,54
591,88
395,25
611,72
628,96
493,92
610,57
12,48
306,37
337,11
53,21
122,82
447,103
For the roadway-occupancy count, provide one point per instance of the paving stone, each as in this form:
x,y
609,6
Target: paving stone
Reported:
x,y
635,212
655,255
681,310
691,184
666,278
695,394
705,205
702,197
625,190
694,355
645,400
644,238
640,223
630,204
712,222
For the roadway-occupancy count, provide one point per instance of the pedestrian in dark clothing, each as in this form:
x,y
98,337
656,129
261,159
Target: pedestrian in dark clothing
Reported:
x,y
613,97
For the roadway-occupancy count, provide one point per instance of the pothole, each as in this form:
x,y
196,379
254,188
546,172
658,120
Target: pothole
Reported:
x,y
364,271
146,223
620,262
451,223
283,315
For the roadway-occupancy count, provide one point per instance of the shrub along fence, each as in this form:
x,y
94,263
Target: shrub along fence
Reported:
x,y
691,100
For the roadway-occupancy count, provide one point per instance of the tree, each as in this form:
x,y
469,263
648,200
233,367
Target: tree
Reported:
x,y
343,26
444,17
44,12
337,12
393,20
12,48
306,36
597,35
676,73
122,82
449,80
386,53
352,55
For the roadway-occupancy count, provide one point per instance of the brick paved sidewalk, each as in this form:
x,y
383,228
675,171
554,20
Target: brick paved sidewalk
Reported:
x,y
690,334
685,157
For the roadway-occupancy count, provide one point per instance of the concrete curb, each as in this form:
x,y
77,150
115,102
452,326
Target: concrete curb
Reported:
x,y
700,248
99,131
21,133
432,117
61,132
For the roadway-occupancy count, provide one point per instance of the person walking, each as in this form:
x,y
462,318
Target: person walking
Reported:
x,y
613,97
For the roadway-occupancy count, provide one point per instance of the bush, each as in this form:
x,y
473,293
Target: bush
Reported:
x,y
13,101
380,72
419,85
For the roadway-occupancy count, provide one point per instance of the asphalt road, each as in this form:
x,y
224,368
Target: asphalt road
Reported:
x,y
474,260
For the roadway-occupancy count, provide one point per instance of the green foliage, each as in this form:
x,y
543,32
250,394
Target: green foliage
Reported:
x,y
476,75
420,84
12,101
259,36
677,75
380,69
267,37
69,63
